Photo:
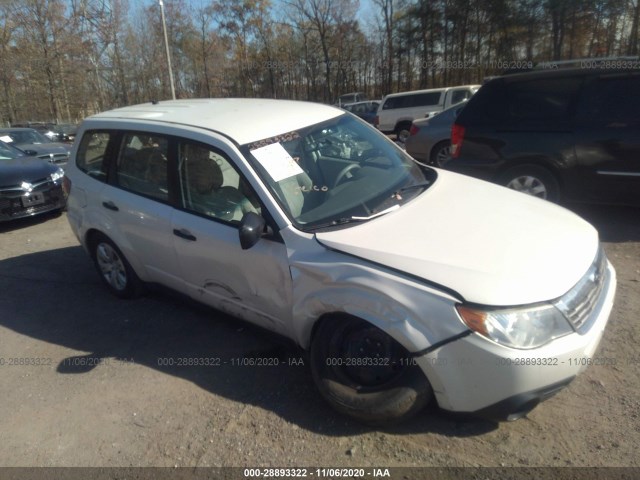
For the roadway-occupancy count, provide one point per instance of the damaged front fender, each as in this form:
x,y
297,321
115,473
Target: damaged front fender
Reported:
x,y
416,315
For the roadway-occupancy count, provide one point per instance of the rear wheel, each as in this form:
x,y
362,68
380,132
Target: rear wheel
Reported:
x,y
114,269
441,153
364,373
402,131
532,180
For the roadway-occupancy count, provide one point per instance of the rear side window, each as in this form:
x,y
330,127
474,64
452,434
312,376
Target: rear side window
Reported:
x,y
142,165
91,154
412,100
542,99
539,102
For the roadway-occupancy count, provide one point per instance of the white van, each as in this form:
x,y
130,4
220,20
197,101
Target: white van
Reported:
x,y
405,284
398,110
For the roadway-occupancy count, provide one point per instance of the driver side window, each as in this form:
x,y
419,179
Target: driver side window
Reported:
x,y
211,186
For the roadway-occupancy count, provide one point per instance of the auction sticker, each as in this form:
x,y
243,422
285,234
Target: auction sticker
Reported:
x,y
277,161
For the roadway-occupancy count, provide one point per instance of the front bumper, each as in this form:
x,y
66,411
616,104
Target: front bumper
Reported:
x,y
16,203
475,375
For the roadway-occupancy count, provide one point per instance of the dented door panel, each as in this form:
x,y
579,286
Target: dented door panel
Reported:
x,y
253,284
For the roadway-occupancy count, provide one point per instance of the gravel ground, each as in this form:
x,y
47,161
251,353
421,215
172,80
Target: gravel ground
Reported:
x,y
85,381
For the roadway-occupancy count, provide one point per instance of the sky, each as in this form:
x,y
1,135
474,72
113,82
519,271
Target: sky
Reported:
x,y
366,12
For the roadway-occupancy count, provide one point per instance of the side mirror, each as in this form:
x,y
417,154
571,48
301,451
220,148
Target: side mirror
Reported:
x,y
251,228
31,153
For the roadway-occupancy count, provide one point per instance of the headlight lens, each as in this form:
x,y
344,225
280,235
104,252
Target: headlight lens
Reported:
x,y
527,327
57,175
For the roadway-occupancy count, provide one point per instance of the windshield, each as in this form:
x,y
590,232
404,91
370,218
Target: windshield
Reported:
x,y
336,171
8,152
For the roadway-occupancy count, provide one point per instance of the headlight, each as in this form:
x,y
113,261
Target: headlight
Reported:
x,y
526,327
57,175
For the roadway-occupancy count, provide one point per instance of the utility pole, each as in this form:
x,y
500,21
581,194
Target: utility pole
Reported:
x,y
166,45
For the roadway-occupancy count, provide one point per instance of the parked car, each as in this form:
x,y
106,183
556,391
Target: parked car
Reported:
x,y
45,128
430,138
65,132
366,110
28,185
351,98
36,144
48,131
399,280
569,134
398,110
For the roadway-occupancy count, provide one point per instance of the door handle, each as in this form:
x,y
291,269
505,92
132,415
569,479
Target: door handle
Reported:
x,y
110,205
183,233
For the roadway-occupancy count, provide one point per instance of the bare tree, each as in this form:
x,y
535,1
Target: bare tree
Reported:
x,y
7,28
386,7
632,48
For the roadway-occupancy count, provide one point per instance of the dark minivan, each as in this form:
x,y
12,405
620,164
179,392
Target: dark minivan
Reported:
x,y
567,134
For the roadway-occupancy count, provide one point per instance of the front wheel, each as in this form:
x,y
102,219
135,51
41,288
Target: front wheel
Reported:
x,y
532,180
364,373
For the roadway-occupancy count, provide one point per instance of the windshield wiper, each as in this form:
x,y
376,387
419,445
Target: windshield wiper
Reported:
x,y
334,223
383,212
411,187
353,219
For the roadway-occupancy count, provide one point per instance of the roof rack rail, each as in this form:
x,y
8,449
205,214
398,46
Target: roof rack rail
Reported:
x,y
587,62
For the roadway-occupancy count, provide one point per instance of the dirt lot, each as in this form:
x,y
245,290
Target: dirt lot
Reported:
x,y
83,380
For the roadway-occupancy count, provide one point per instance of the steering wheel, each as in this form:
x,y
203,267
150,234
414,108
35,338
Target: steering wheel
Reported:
x,y
344,172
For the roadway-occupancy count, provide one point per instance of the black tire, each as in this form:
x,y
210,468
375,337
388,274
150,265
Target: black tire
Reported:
x,y
390,391
440,153
532,180
114,269
402,131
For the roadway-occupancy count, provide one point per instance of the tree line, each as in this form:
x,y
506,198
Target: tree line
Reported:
x,y
61,60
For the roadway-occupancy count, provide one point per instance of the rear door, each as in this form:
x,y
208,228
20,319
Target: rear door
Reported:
x,y
137,203
608,138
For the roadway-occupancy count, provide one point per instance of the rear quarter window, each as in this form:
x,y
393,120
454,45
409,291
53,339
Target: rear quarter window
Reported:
x,y
614,99
91,156
460,95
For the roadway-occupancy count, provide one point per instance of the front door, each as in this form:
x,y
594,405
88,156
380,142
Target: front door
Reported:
x,y
253,284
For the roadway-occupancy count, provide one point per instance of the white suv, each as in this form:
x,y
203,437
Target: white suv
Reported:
x,y
397,111
403,283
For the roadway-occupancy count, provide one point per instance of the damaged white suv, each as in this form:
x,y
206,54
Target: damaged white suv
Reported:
x,y
404,283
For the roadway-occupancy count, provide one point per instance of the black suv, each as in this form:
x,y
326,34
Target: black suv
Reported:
x,y
566,134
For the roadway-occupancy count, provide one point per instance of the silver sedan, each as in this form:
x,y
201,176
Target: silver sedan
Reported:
x,y
429,139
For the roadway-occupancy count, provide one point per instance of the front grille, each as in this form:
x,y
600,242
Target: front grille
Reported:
x,y
55,157
581,301
36,185
11,205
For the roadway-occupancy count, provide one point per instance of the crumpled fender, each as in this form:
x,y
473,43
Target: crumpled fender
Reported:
x,y
413,313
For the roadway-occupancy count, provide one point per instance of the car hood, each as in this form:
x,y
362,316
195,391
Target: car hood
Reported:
x,y
44,148
491,245
25,169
